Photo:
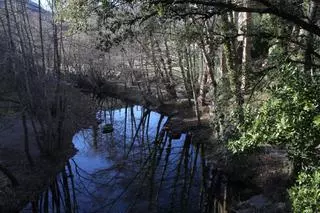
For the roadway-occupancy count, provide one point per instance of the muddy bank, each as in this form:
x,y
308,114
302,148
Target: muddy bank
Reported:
x,y
34,179
31,180
181,112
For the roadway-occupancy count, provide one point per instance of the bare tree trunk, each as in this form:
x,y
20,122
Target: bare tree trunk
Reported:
x,y
210,56
203,84
57,107
171,78
234,66
169,59
12,69
313,10
11,43
41,39
26,138
183,73
167,80
225,74
190,72
246,51
157,68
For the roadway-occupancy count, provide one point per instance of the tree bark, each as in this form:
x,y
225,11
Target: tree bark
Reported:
x,y
184,77
26,139
313,10
190,72
234,67
246,48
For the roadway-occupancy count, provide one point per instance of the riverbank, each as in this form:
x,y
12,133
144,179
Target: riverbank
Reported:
x,y
32,180
255,170
182,113
264,173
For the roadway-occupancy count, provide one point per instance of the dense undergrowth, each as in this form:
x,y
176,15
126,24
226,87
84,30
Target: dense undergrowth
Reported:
x,y
289,119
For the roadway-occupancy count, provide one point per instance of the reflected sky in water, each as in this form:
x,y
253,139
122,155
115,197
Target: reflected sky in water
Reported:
x,y
139,167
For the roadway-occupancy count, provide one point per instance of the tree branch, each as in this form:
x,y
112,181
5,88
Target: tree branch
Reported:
x,y
267,9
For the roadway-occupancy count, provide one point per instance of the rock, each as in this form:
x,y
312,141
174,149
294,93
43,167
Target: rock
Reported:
x,y
4,181
281,207
260,203
266,171
267,168
108,128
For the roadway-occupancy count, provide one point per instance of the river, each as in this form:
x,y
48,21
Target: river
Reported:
x,y
141,166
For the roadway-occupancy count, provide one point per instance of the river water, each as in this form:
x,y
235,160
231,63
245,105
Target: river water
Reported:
x,y
140,167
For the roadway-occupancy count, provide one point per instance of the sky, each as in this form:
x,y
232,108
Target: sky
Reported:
x,y
44,4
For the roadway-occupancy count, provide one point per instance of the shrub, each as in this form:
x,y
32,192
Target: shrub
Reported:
x,y
305,195
290,118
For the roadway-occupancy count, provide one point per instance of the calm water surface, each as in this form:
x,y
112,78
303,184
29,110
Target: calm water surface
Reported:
x,y
140,167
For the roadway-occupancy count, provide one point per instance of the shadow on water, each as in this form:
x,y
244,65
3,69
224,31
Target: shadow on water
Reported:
x,y
139,167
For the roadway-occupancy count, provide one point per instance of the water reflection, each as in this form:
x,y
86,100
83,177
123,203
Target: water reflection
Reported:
x,y
140,167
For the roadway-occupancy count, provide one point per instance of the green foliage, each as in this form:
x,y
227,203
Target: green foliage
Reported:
x,y
316,120
76,13
261,25
290,118
305,195
160,9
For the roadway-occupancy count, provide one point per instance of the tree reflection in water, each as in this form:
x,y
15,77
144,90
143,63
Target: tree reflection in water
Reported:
x,y
138,167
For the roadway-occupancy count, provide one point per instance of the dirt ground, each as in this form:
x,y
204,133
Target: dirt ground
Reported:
x,y
32,180
183,116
